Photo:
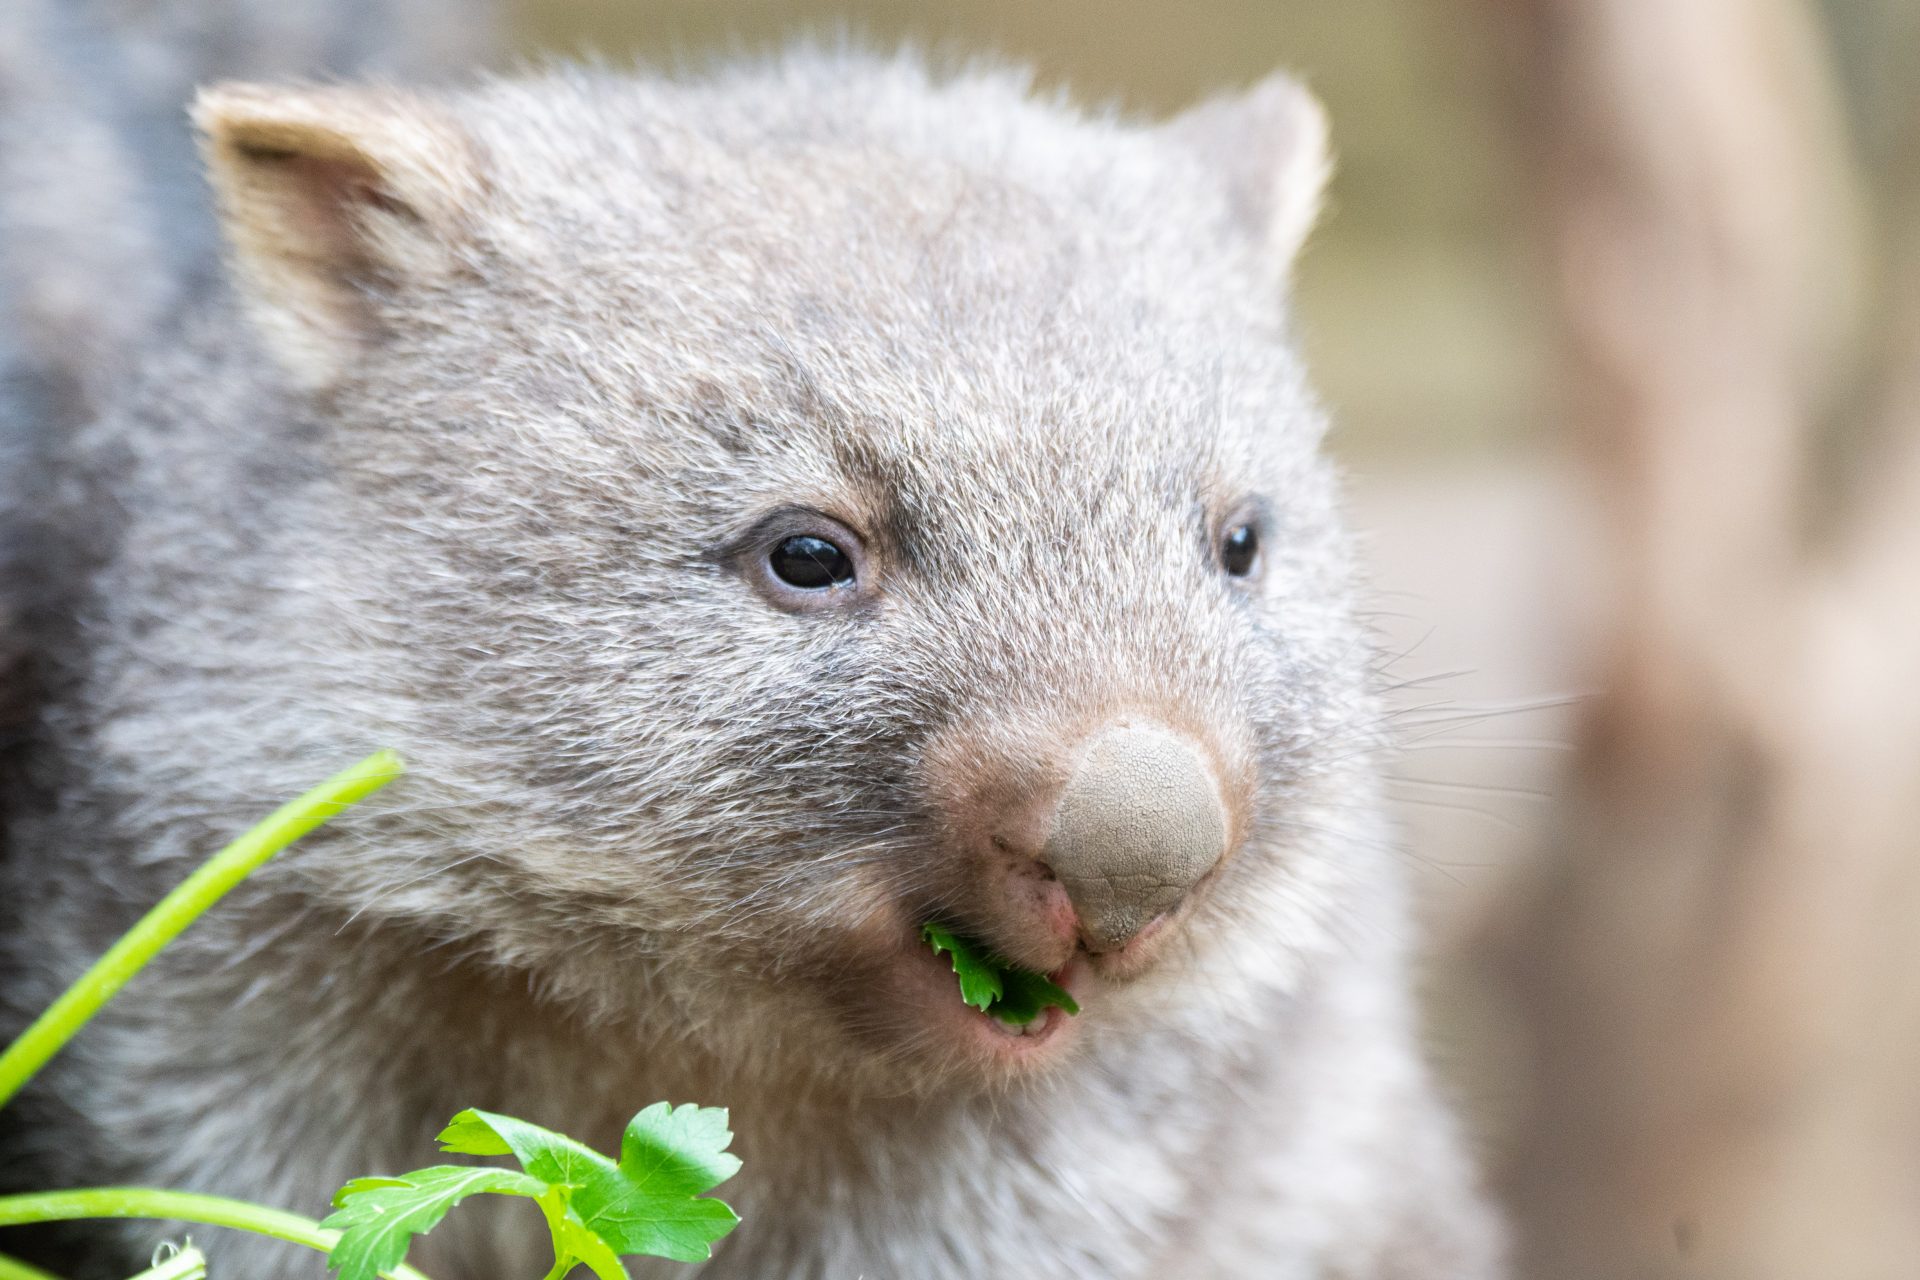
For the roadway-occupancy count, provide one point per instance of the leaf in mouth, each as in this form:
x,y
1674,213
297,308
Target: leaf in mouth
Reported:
x,y
1012,995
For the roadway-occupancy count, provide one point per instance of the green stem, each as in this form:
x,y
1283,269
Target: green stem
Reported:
x,y
14,1269
186,1206
180,908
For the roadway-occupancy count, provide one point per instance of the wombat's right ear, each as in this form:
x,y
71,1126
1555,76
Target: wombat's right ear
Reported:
x,y
1269,147
328,194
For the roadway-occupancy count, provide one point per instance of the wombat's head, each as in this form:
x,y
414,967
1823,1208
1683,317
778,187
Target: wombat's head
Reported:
x,y
797,506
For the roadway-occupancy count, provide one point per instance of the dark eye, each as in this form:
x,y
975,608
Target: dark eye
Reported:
x,y
1240,550
810,563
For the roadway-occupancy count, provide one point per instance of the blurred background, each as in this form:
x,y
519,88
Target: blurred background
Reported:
x,y
1617,304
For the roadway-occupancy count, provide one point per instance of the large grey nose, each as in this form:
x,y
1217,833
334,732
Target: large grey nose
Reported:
x,y
1139,822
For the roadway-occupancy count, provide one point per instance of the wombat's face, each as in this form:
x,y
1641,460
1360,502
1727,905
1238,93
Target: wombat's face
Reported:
x,y
824,503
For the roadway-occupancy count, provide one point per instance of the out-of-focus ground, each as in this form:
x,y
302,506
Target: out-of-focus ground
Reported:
x,y
1617,304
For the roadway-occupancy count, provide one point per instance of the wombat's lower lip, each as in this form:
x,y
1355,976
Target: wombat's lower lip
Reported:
x,y
1041,1025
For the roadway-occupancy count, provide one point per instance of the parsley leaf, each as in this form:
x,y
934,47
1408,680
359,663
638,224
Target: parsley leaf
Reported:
x,y
649,1202
667,1158
1009,994
1029,993
645,1204
980,979
378,1217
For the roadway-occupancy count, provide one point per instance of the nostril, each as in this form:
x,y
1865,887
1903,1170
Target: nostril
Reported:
x,y
1021,858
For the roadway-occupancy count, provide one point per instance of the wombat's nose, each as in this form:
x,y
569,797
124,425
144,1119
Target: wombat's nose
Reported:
x,y
1139,822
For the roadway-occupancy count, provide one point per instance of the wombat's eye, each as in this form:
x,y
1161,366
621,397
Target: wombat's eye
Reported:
x,y
810,563
1240,550
804,561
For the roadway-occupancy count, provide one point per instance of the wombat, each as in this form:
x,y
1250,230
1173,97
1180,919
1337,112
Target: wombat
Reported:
x,y
769,508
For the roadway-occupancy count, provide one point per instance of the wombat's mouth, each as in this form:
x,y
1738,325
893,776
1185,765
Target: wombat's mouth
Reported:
x,y
1014,997
993,1041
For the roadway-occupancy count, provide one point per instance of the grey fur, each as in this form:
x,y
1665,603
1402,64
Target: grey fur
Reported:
x,y
658,836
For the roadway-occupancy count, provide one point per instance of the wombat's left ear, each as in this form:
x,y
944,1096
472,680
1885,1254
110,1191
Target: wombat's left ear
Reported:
x,y
328,196
1269,145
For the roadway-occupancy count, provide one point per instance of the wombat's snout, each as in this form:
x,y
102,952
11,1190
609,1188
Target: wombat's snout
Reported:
x,y
1138,822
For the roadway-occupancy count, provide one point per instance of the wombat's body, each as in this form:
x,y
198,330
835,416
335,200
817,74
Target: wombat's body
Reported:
x,y
480,457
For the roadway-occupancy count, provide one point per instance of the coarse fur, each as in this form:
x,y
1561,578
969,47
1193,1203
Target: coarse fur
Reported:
x,y
484,493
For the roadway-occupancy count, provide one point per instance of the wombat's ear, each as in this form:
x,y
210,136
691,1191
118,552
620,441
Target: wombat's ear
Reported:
x,y
326,194
1269,145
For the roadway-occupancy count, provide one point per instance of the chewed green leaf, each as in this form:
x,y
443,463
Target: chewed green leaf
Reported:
x,y
378,1217
1010,994
1027,994
980,979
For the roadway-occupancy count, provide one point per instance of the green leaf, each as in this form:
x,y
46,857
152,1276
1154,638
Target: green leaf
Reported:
x,y
1010,994
648,1203
541,1152
668,1157
579,1242
1029,993
980,978
467,1134
377,1218
574,1242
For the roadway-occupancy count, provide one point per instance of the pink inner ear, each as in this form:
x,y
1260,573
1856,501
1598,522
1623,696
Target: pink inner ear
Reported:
x,y
322,194
321,204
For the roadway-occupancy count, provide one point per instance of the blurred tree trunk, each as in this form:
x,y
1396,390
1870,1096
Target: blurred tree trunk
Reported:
x,y
1720,965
